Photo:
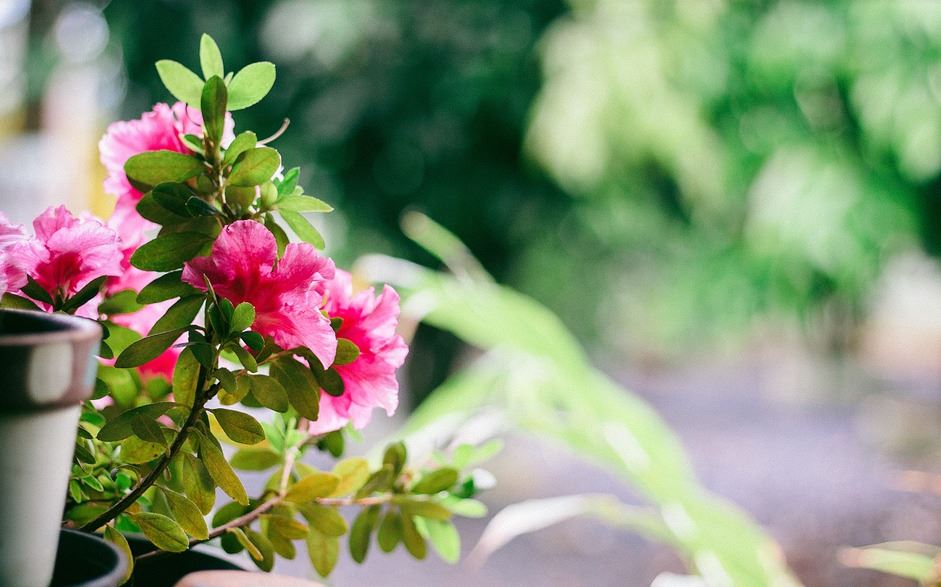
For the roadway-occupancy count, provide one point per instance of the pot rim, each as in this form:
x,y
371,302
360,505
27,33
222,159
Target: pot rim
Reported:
x,y
71,329
108,577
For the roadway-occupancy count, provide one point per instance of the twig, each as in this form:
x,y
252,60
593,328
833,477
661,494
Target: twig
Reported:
x,y
151,478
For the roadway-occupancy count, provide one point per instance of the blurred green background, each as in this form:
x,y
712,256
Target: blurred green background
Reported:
x,y
674,179
659,173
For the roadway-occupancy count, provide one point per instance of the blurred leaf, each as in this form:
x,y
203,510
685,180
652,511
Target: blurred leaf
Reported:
x,y
323,551
353,473
303,228
911,560
180,81
311,487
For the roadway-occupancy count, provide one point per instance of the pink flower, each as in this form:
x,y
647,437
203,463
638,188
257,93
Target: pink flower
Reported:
x,y
161,128
12,272
67,252
287,293
369,381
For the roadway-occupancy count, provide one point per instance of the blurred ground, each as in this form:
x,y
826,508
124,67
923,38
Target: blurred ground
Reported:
x,y
775,432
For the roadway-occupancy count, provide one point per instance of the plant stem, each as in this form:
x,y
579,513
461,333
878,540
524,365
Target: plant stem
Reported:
x,y
151,478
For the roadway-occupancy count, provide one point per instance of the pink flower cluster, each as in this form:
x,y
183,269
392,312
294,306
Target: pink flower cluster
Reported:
x,y
65,254
294,296
159,129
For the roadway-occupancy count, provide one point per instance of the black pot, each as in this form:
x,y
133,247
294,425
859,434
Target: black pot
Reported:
x,y
85,560
165,570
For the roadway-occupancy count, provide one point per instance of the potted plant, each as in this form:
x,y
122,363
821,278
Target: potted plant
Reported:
x,y
208,308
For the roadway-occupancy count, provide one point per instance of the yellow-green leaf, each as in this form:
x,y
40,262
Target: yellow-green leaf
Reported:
x,y
162,531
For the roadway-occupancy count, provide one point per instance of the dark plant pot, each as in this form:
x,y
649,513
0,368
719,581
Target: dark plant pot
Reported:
x,y
165,570
48,368
85,560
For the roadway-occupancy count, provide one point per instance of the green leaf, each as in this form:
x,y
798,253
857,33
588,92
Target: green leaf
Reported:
x,y
302,228
156,167
255,459
311,487
468,508
288,526
120,427
436,481
35,291
253,550
444,538
196,206
220,471
82,296
323,551
266,562
242,317
255,167
908,559
289,181
180,81
242,142
239,426
360,532
390,531
148,429
180,315
197,484
123,302
269,392
210,58
10,300
250,85
413,541
282,546
280,236
347,352
299,384
380,480
173,197
212,105
395,456
425,509
187,514
162,531
147,348
353,473
255,341
137,452
116,538
148,207
325,519
331,382
227,513
185,377
168,252
302,203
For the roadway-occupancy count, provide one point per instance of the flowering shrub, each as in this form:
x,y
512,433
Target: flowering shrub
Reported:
x,y
206,305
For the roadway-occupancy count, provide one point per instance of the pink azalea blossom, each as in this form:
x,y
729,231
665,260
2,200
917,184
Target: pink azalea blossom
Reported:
x,y
369,321
287,293
67,252
12,272
161,128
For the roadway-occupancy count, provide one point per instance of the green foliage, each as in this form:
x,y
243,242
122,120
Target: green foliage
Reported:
x,y
531,367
